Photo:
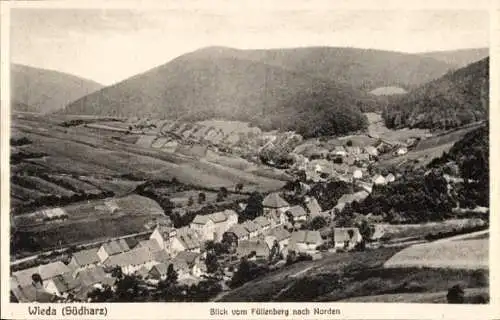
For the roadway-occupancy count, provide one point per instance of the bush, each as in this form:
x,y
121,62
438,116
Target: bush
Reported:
x,y
455,295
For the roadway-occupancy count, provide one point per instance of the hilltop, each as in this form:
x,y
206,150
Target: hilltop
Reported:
x,y
45,91
457,98
459,58
314,91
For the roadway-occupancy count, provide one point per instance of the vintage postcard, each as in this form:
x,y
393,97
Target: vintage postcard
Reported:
x,y
242,160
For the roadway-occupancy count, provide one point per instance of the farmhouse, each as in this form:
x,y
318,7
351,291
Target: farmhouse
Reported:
x,y
84,259
163,235
23,278
296,215
263,223
255,249
61,285
252,228
213,226
237,233
274,208
186,239
112,248
346,238
131,261
159,271
279,234
189,263
305,241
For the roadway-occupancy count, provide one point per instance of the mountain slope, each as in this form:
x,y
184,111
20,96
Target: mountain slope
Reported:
x,y
200,87
364,69
459,58
46,91
458,98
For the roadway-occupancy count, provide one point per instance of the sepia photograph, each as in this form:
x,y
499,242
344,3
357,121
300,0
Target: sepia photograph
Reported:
x,y
266,154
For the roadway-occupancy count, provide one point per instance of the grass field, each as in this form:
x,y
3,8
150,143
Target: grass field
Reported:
x,y
346,275
394,231
465,254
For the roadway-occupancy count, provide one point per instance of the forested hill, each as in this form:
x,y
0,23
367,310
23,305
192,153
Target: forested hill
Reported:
x,y
458,98
45,91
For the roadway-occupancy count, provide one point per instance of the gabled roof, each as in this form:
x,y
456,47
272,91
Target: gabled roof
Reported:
x,y
86,257
279,233
245,247
46,271
262,221
218,217
274,200
166,231
186,257
136,256
162,269
189,238
160,256
239,231
115,247
342,234
65,283
89,277
29,293
151,244
297,211
250,226
306,236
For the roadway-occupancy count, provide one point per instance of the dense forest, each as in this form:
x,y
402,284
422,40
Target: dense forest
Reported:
x,y
458,98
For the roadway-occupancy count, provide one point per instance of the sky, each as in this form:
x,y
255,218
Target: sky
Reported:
x,y
110,45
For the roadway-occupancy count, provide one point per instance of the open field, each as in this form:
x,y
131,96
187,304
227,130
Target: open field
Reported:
x,y
395,231
433,297
464,254
341,276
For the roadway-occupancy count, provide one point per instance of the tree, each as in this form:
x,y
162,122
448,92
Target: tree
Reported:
x,y
349,143
275,251
254,207
36,279
455,295
127,289
100,295
171,275
211,263
366,230
201,197
317,223
190,201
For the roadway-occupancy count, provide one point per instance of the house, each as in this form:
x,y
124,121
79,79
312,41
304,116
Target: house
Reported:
x,y
371,150
236,233
279,234
357,174
339,151
151,244
305,241
131,261
346,238
390,178
189,263
32,293
252,228
163,236
296,215
95,276
186,239
48,271
312,206
159,271
61,285
401,151
255,249
274,208
84,259
112,248
213,226
263,223
351,197
379,180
